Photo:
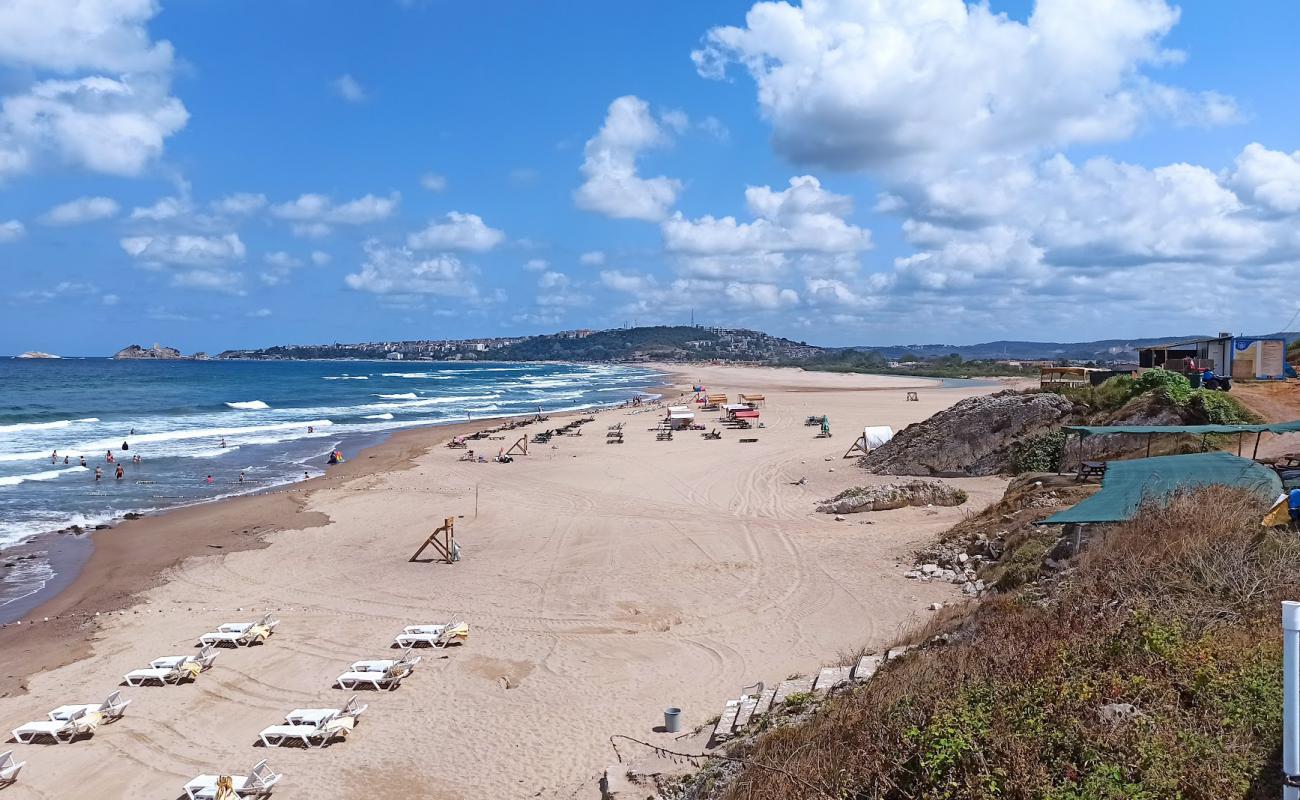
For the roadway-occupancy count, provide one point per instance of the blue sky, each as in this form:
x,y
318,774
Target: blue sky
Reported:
x,y
230,174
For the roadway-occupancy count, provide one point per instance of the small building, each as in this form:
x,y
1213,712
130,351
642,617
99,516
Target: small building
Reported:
x,y
394,356
1240,357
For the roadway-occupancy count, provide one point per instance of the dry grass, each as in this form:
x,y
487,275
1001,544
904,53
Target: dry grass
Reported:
x,y
1173,613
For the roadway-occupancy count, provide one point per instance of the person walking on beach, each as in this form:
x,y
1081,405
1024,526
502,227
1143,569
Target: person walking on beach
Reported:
x,y
120,472
99,473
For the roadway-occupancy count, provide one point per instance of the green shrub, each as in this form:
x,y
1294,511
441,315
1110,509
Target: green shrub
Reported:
x,y
1218,408
1174,385
1112,394
795,701
1040,453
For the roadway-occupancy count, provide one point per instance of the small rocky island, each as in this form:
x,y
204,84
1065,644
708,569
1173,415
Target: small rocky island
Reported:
x,y
157,351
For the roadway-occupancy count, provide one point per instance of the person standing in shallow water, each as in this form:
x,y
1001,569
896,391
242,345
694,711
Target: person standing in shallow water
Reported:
x,y
120,472
99,473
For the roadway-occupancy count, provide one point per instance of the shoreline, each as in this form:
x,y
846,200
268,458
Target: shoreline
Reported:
x,y
103,571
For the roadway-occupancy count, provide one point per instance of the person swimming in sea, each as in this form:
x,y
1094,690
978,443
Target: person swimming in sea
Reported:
x,y
83,461
241,477
120,472
54,456
99,473
125,446
209,479
135,459
311,428
65,459
223,442
109,457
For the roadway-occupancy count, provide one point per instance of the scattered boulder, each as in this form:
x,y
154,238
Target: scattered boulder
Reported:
x,y
893,495
974,437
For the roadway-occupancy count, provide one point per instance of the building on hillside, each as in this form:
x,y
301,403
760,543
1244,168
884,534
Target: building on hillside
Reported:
x,y
1240,357
394,356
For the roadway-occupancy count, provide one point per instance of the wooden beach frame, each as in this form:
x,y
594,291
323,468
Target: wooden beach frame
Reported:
x,y
443,540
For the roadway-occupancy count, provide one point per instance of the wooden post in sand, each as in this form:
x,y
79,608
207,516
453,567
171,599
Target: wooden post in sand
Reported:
x,y
443,540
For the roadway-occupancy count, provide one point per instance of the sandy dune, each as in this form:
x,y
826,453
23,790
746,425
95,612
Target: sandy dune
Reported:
x,y
601,582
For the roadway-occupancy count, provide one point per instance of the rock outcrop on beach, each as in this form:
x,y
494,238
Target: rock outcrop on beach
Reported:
x,y
893,495
974,437
157,351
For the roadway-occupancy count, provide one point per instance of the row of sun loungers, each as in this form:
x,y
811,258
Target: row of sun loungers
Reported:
x,y
310,727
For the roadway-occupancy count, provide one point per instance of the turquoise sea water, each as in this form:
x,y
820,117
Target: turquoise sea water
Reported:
x,y
182,411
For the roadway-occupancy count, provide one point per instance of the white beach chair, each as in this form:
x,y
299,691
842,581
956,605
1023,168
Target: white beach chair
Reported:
x,y
379,674
241,634
257,783
110,710
172,669
9,768
320,732
61,731
432,635
311,716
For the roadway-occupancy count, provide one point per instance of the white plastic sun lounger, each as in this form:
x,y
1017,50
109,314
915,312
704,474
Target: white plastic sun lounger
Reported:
x,y
257,784
61,731
312,716
431,635
111,709
171,669
9,768
318,734
379,674
241,634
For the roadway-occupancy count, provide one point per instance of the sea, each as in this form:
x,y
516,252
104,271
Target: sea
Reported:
x,y
197,426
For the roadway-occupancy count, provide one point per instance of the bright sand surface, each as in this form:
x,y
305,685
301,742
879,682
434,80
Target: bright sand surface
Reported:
x,y
601,583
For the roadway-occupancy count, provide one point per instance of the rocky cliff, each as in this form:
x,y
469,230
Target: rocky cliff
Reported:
x,y
974,437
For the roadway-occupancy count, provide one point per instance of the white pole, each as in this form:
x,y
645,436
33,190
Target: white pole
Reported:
x,y
1291,699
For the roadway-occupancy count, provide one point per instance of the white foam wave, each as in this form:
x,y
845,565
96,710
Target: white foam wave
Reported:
x,y
346,377
44,426
47,475
378,416
249,405
404,396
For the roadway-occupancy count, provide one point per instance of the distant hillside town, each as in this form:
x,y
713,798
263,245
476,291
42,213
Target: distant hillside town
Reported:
x,y
664,343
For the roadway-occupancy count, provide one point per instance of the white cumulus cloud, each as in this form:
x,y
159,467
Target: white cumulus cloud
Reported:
x,y
11,231
349,89
457,231
90,86
926,84
401,271
612,186
83,209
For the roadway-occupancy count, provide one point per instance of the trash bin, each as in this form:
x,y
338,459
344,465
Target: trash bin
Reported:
x,y
672,719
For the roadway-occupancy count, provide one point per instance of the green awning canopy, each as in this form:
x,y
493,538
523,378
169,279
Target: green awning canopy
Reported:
x,y
1196,430
1128,483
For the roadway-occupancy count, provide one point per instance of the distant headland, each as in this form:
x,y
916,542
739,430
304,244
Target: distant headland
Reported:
x,y
135,351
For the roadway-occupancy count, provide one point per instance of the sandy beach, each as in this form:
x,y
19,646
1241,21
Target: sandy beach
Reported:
x,y
601,584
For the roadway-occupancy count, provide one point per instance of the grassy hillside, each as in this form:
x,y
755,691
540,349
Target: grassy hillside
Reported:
x,y
1150,669
663,343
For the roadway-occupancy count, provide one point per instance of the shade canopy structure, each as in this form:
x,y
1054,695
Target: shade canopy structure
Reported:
x,y
1128,484
747,413
1196,430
